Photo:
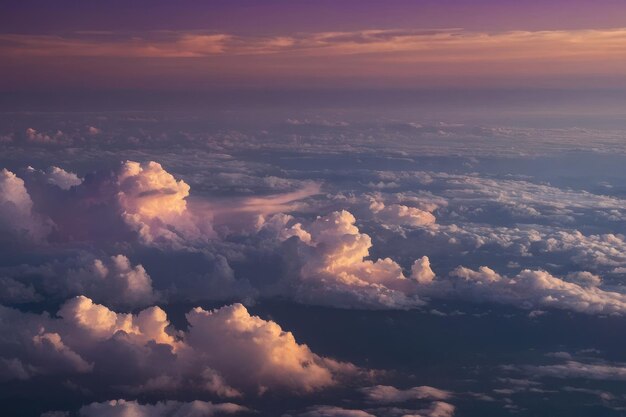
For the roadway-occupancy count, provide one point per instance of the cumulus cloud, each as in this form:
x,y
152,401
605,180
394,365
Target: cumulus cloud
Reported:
x,y
254,351
113,281
529,289
13,291
575,369
154,204
40,138
225,352
62,179
389,394
17,218
435,409
332,411
123,408
99,323
335,270
401,215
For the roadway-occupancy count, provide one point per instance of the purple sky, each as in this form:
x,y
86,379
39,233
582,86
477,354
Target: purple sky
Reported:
x,y
207,44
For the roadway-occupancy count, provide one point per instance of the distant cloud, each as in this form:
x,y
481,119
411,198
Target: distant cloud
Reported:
x,y
63,179
401,215
391,56
528,289
120,408
389,394
574,369
332,411
436,409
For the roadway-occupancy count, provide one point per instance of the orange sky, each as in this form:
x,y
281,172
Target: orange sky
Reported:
x,y
396,55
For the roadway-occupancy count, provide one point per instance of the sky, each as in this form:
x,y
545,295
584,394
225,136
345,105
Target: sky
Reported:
x,y
312,209
200,45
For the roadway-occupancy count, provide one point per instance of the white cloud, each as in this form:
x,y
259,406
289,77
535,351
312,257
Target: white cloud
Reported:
x,y
332,411
335,271
435,409
62,179
17,218
529,290
154,204
226,352
123,408
389,394
252,351
574,369
401,215
99,323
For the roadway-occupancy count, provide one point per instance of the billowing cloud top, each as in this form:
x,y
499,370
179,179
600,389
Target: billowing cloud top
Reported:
x,y
225,352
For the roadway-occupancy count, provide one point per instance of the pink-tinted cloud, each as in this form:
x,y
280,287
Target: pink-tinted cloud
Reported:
x,y
391,57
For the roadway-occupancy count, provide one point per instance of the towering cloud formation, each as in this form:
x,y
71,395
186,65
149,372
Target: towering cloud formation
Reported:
x,y
226,352
256,353
17,219
154,204
335,270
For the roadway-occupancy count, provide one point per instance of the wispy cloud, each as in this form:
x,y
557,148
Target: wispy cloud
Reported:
x,y
420,45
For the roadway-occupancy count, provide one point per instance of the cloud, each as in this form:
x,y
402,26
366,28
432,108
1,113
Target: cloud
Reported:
x,y
226,352
529,290
334,270
399,46
436,409
574,369
123,408
62,179
390,57
332,411
39,138
17,218
389,394
249,213
16,292
154,204
138,197
401,215
113,281
56,354
252,351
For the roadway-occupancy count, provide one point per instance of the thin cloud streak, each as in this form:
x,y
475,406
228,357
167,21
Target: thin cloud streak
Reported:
x,y
428,45
397,58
